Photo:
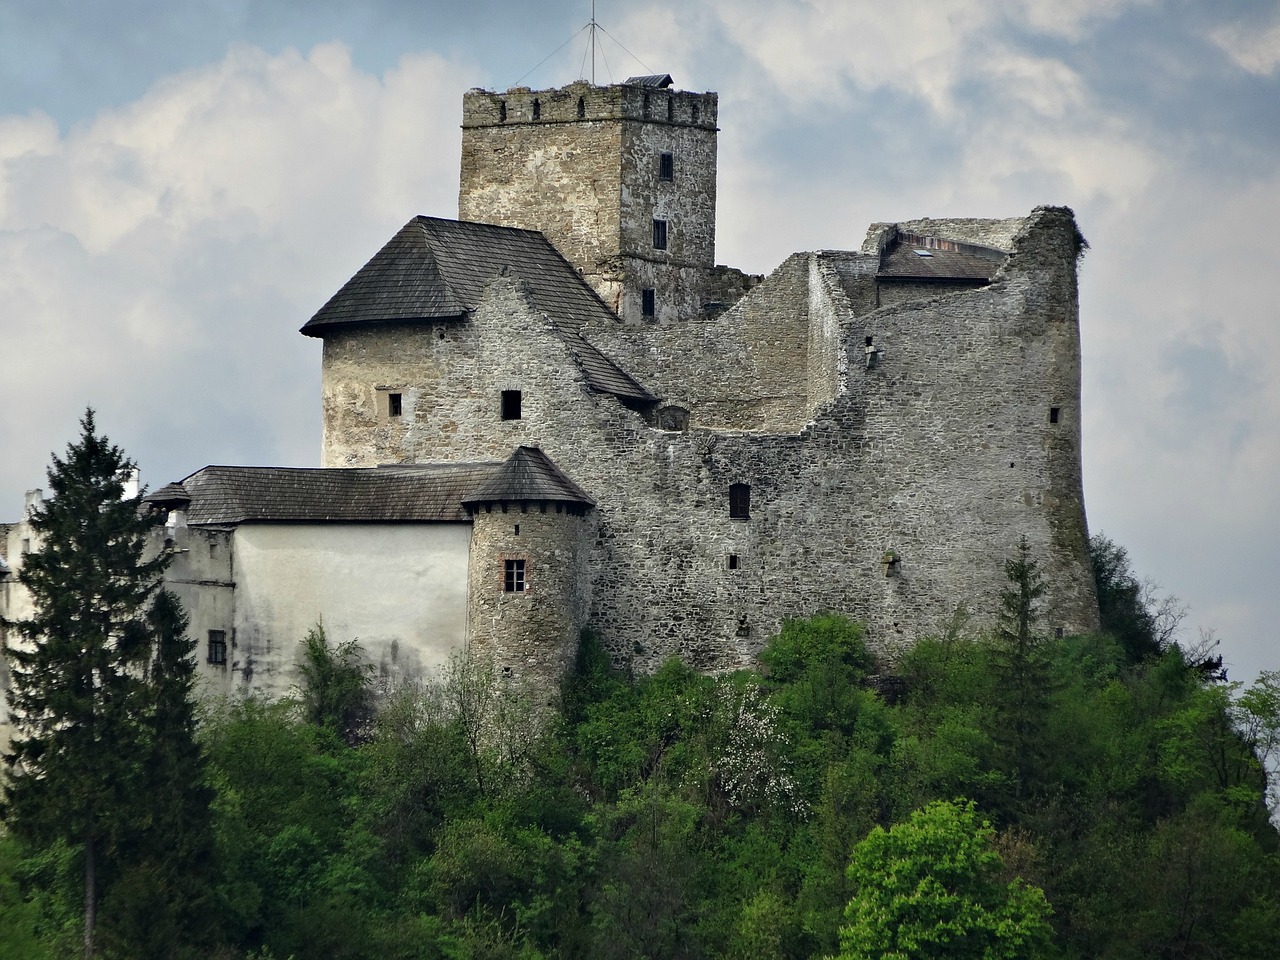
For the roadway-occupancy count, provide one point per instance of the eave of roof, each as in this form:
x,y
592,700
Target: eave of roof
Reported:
x,y
437,270
529,476
425,493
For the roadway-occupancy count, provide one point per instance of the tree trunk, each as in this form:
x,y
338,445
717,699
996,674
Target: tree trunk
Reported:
x,y
90,896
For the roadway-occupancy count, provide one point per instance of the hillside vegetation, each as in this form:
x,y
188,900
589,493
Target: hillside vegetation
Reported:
x,y
1110,797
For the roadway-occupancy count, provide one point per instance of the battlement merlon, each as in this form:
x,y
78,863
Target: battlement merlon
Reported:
x,y
581,101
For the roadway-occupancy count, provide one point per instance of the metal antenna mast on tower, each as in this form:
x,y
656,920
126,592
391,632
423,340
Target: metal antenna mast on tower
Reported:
x,y
592,37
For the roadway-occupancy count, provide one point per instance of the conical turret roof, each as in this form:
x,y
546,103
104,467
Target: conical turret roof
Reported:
x,y
529,475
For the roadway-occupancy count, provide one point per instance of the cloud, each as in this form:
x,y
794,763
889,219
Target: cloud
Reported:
x,y
157,259
1253,47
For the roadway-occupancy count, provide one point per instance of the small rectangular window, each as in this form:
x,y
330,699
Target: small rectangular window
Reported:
x,y
740,502
1053,414
513,576
393,405
217,646
733,561
510,404
666,167
659,234
648,302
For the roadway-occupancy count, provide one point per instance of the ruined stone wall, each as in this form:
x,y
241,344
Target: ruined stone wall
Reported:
x,y
529,635
748,368
891,291
996,234
943,452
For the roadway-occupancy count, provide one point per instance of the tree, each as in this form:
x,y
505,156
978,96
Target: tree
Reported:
x,y
1130,610
97,692
933,887
160,905
1020,668
335,691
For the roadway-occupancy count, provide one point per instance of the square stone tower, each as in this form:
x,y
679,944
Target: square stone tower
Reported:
x,y
620,178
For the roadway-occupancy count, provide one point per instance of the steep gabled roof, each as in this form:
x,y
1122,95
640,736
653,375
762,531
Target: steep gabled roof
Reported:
x,y
435,269
528,475
393,494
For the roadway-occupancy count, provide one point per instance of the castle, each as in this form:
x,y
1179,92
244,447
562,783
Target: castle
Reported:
x,y
558,411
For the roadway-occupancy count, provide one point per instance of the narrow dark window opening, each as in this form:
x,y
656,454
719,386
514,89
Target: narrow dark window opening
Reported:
x,y
1053,414
646,106
1059,632
666,166
582,108
648,302
659,234
537,109
739,501
517,529
393,405
671,108
513,576
733,561
502,111
217,646
510,404
693,111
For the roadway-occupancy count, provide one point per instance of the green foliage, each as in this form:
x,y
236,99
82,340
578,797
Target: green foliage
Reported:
x,y
105,760
1021,674
1121,608
335,691
933,887
680,815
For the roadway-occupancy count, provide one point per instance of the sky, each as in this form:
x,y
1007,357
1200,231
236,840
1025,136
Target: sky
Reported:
x,y
183,184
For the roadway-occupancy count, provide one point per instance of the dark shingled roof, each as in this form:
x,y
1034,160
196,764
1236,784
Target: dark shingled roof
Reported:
x,y
392,494
948,260
435,269
169,493
660,80
529,475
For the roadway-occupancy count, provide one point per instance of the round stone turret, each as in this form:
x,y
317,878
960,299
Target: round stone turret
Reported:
x,y
527,584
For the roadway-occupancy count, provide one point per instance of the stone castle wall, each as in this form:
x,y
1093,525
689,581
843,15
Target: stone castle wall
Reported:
x,y
529,635
943,452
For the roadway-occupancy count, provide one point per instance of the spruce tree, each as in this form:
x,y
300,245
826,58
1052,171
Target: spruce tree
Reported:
x,y
93,691
1020,669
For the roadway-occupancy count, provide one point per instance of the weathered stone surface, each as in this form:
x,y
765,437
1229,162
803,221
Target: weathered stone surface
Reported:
x,y
935,419
586,169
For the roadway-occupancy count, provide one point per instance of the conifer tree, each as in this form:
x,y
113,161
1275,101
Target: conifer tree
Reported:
x,y
1020,668
96,686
